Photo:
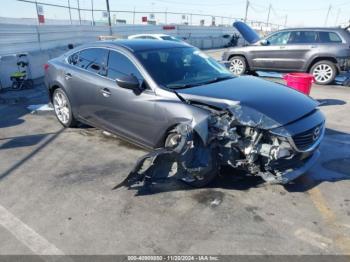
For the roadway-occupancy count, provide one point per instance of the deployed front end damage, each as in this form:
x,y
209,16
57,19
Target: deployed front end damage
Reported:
x,y
238,136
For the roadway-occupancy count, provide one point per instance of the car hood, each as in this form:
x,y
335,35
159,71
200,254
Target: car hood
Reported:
x,y
247,32
253,101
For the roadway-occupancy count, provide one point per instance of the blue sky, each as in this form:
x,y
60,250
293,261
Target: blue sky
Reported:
x,y
300,12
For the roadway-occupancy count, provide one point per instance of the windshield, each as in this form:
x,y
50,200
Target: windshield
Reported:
x,y
170,38
182,67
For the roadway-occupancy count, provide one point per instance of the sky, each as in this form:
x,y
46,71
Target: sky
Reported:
x,y
295,12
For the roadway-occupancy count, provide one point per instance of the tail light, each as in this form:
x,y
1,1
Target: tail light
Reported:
x,y
46,67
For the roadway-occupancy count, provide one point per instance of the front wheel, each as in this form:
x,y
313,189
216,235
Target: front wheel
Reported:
x,y
324,72
200,180
238,65
63,109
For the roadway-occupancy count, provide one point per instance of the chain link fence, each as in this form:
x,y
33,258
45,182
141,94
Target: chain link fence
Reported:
x,y
74,13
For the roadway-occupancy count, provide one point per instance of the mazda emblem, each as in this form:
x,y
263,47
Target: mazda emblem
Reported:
x,y
316,134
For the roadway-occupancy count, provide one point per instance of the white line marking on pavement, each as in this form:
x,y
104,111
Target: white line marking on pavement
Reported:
x,y
26,235
313,238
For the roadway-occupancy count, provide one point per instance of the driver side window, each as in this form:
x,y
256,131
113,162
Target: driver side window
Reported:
x,y
279,38
119,66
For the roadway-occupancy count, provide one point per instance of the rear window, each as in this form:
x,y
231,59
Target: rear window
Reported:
x,y
329,37
92,59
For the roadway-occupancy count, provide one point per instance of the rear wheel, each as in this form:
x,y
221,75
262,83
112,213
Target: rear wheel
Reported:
x,y
63,109
238,65
201,179
324,72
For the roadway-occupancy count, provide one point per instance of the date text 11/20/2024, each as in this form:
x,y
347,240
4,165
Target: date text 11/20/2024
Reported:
x,y
173,258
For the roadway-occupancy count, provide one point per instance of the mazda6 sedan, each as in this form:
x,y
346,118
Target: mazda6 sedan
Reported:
x,y
168,95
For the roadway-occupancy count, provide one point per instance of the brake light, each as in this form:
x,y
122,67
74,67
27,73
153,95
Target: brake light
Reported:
x,y
46,67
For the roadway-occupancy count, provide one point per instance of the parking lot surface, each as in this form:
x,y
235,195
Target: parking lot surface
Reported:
x,y
56,194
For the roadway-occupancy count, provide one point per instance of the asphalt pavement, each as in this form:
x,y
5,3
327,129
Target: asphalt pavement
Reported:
x,y
56,194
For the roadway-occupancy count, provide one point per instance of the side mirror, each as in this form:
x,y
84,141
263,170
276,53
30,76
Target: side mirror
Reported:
x,y
264,42
128,82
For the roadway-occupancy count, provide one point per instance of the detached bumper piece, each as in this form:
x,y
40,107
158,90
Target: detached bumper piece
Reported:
x,y
188,157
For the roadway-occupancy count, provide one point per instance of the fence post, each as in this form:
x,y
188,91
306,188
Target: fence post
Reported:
x,y
133,16
79,12
37,26
109,17
70,12
92,12
37,13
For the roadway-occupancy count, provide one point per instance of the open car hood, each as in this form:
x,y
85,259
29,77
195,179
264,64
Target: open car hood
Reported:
x,y
253,101
247,32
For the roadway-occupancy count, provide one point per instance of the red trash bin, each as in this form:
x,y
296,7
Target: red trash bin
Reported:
x,y
299,81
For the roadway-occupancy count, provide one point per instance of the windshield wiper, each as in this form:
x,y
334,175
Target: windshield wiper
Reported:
x,y
217,79
181,86
188,85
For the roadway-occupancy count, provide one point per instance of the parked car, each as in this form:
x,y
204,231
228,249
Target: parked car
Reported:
x,y
155,37
163,94
323,52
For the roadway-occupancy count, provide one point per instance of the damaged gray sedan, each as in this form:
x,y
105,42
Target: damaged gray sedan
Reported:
x,y
190,112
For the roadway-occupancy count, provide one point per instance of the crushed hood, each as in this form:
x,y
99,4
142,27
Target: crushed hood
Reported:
x,y
247,32
251,97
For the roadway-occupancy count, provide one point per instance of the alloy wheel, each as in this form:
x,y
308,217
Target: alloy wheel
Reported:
x,y
61,107
237,66
323,73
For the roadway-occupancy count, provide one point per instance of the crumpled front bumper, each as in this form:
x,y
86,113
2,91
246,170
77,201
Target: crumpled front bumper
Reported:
x,y
290,175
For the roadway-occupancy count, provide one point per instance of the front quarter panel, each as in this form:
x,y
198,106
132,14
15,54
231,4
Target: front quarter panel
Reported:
x,y
174,111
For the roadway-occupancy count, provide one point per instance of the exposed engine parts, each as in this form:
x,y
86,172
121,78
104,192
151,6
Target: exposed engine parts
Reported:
x,y
229,142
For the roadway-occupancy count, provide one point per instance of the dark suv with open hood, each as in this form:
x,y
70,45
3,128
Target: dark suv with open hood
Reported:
x,y
188,109
323,52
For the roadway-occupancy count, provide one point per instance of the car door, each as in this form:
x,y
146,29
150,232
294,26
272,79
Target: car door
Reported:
x,y
270,54
130,113
300,44
84,79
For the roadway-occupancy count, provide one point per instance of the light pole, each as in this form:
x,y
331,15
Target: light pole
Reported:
x,y
246,10
268,15
329,10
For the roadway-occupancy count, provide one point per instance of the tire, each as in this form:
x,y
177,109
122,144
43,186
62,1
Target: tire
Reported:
x,y
238,65
62,108
324,72
206,178
15,85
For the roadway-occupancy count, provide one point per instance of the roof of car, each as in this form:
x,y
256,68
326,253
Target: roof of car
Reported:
x,y
150,35
135,45
313,28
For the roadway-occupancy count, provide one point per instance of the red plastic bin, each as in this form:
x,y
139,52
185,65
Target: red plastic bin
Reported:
x,y
299,81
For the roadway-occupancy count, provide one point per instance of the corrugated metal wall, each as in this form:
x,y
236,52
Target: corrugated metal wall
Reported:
x,y
25,38
46,42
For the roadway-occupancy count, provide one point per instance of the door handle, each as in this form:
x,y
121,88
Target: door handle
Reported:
x,y
282,47
68,76
105,92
